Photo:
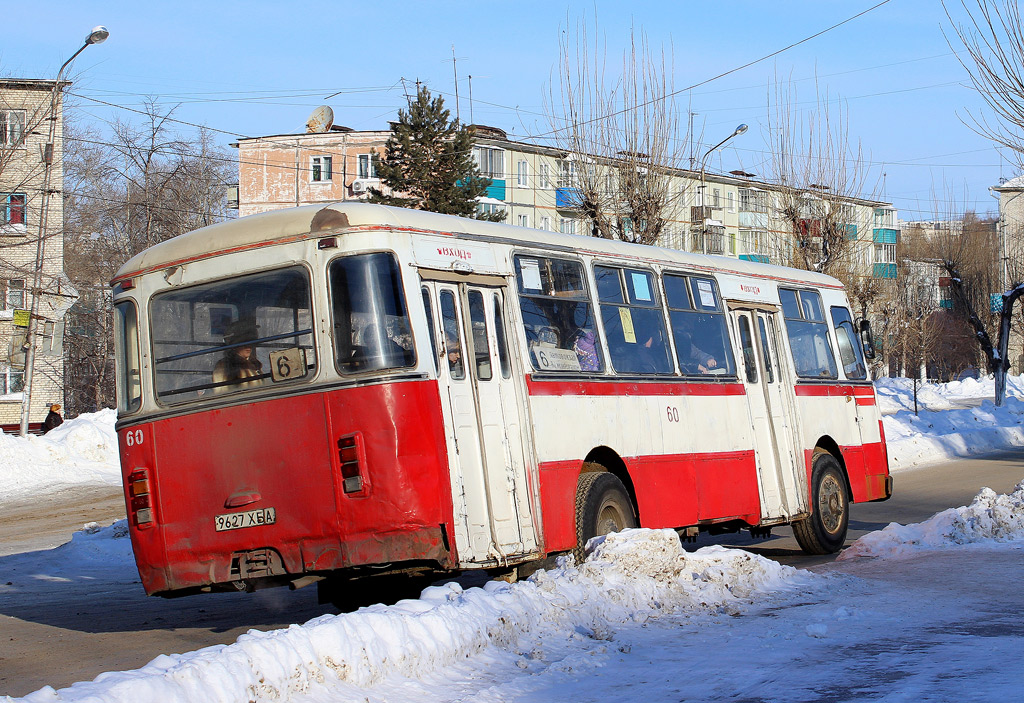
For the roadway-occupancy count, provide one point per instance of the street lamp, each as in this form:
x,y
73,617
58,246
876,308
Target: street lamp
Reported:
x,y
98,35
703,184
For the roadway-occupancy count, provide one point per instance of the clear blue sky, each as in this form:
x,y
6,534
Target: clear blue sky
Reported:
x,y
256,68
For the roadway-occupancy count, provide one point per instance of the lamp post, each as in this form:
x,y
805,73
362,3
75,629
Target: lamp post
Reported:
x,y
97,36
703,184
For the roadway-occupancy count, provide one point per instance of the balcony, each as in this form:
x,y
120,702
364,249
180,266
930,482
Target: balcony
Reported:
x,y
884,235
568,198
699,213
885,271
851,231
753,220
756,258
496,190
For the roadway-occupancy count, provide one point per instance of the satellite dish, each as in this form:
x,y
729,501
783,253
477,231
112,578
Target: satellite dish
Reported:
x,y
320,120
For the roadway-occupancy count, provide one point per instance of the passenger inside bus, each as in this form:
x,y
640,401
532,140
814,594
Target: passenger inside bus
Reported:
x,y
453,351
240,368
377,350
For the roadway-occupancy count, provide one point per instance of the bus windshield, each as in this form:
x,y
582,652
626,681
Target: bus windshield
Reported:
x,y
230,336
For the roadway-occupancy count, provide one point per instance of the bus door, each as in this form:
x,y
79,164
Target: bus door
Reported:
x,y
771,411
481,382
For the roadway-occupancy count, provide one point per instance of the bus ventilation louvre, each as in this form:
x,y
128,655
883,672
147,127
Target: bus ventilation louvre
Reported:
x,y
138,490
352,458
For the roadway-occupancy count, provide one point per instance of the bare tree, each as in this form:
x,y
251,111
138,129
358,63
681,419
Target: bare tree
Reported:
x,y
620,137
993,36
124,192
818,170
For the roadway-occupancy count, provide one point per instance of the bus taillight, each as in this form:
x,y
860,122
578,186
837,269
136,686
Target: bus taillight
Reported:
x,y
139,493
350,455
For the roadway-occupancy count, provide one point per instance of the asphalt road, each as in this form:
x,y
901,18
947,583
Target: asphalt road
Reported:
x,y
58,631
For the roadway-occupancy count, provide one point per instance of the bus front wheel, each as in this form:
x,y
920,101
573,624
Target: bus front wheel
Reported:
x,y
602,506
824,532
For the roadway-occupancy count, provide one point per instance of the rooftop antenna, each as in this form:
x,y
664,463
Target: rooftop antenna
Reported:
x,y
471,99
456,72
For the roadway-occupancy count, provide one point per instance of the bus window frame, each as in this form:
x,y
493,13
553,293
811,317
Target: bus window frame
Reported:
x,y
689,281
126,406
825,322
233,393
402,285
657,304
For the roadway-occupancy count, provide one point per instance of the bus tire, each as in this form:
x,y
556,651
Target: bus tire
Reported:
x,y
824,532
602,506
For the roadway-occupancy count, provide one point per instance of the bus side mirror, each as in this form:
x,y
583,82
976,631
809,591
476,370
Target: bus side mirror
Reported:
x,y
866,340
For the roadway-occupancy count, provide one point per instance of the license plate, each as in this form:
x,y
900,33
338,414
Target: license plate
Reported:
x,y
250,518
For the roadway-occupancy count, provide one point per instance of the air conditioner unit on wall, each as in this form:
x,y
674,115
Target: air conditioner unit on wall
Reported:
x,y
361,185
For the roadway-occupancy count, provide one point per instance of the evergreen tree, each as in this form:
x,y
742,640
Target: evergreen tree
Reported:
x,y
428,162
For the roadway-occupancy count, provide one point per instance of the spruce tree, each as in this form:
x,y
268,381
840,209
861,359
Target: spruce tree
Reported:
x,y
428,162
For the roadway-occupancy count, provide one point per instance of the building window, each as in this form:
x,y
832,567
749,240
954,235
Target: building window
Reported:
x,y
367,167
716,198
491,161
521,174
545,224
884,217
885,253
490,208
14,294
567,226
13,381
732,201
322,169
524,220
12,127
12,209
545,176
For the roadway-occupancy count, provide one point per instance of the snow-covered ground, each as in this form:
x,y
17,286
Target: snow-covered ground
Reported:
x,y
926,612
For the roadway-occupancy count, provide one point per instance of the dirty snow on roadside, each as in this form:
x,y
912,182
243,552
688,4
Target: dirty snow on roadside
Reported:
x,y
641,618
82,451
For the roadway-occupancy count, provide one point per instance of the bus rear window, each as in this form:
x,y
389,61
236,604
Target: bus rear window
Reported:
x,y
230,336
371,320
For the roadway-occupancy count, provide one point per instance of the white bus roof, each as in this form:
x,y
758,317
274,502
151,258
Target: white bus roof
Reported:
x,y
314,221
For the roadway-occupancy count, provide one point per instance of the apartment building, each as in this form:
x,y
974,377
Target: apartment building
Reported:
x,y
538,186
24,129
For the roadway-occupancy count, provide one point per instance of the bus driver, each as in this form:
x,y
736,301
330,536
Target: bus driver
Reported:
x,y
239,362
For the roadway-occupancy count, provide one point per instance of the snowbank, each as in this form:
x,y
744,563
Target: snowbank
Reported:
x,y
989,518
80,452
628,578
947,426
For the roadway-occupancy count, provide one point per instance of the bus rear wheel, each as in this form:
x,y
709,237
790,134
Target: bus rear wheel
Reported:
x,y
602,506
824,532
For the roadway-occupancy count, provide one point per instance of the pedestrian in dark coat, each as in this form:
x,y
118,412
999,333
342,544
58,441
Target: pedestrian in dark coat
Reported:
x,y
53,418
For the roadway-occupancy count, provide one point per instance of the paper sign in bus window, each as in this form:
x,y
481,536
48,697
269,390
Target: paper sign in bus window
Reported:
x,y
707,294
530,268
627,325
641,288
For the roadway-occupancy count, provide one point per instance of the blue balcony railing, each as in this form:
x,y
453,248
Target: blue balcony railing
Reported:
x,y
884,235
756,258
885,271
568,198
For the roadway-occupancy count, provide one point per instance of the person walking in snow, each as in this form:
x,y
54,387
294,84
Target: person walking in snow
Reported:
x,y
53,418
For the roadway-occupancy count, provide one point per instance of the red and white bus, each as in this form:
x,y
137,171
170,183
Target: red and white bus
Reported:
x,y
352,390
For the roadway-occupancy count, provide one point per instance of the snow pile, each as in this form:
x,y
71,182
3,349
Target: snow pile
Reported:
x,y
96,545
989,518
79,452
629,577
896,394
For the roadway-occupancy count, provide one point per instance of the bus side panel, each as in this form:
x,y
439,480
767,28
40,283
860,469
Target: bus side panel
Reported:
x,y
666,489
406,498
558,481
727,486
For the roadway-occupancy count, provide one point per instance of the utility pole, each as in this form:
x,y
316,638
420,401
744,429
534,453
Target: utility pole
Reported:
x,y
97,36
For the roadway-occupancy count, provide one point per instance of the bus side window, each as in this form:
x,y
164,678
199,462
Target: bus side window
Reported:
x,y
700,335
766,351
850,352
452,343
808,334
633,322
430,326
499,331
481,348
747,345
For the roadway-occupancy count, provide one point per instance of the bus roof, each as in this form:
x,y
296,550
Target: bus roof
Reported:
x,y
311,221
